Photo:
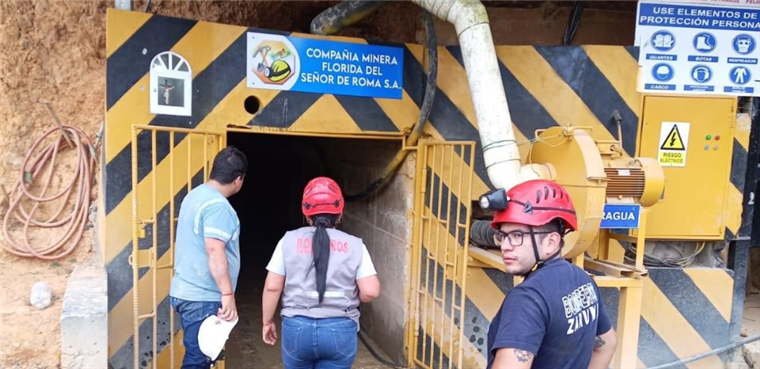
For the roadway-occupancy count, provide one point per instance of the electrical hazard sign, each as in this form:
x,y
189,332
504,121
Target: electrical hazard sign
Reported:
x,y
674,144
673,141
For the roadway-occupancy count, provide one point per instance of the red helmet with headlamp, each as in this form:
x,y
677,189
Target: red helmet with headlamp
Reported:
x,y
535,203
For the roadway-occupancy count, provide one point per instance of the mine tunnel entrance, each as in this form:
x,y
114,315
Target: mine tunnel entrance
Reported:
x,y
279,166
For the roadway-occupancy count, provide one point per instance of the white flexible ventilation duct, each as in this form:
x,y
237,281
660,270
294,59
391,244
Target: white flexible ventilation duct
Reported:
x,y
502,159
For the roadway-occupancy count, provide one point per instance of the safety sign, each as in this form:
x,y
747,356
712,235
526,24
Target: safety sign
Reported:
x,y
704,42
701,73
674,144
663,72
704,48
621,216
279,62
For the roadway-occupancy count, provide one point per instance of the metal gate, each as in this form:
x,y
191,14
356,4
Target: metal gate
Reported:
x,y
166,164
441,236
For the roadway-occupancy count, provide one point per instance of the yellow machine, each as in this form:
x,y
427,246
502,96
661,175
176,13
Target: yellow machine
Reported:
x,y
595,173
446,287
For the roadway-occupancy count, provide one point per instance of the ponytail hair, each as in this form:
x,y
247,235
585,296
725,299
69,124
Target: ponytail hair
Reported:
x,y
321,248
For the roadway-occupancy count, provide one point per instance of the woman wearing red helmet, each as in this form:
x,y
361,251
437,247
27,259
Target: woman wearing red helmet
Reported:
x,y
322,274
556,318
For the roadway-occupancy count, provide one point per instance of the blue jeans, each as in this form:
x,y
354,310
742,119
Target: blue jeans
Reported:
x,y
327,343
192,314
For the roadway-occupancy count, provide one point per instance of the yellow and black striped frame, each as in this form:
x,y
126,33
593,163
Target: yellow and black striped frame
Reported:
x,y
684,311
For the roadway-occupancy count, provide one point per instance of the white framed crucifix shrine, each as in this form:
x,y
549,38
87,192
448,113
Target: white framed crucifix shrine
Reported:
x,y
171,85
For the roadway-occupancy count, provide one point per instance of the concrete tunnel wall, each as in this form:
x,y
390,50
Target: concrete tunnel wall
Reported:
x,y
382,221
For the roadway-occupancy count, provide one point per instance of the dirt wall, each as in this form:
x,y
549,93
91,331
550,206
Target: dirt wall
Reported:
x,y
46,54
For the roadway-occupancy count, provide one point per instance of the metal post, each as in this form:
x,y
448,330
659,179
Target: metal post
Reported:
x,y
417,235
154,248
135,257
749,211
172,220
641,240
629,314
738,252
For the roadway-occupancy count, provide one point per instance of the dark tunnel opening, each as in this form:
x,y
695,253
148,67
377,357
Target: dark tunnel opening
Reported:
x,y
268,205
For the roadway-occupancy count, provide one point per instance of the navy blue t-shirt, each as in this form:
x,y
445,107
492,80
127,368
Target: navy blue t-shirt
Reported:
x,y
556,313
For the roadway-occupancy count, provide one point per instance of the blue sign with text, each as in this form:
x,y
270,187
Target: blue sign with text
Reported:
x,y
621,216
698,48
321,66
691,16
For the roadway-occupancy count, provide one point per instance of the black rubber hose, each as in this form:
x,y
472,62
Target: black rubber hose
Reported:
x,y
376,355
572,23
481,233
334,19
716,351
427,106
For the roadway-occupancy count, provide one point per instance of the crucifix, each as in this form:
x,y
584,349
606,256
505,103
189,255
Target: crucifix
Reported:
x,y
167,87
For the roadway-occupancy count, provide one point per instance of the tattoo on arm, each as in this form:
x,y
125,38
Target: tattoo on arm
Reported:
x,y
599,342
523,356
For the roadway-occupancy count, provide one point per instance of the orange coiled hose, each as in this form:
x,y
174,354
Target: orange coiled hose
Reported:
x,y
79,186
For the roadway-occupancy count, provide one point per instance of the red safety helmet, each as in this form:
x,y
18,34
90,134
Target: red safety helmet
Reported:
x,y
535,203
322,196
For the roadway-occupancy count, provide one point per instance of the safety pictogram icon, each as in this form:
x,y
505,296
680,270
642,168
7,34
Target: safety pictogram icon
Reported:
x,y
674,141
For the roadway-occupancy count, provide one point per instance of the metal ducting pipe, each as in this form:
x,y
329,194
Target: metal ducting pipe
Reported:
x,y
347,13
482,234
500,153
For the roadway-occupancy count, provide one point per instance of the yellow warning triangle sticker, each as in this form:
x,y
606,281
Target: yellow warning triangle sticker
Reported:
x,y
673,140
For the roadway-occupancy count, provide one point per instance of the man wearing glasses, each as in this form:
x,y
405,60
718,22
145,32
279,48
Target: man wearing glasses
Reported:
x,y
555,318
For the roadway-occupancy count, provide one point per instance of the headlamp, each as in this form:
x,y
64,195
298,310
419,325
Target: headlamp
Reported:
x,y
494,200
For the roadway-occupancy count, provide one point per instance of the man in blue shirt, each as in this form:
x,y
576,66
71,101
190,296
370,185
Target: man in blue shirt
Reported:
x,y
555,319
207,253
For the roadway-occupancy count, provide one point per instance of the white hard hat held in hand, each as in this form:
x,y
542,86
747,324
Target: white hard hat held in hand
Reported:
x,y
213,334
